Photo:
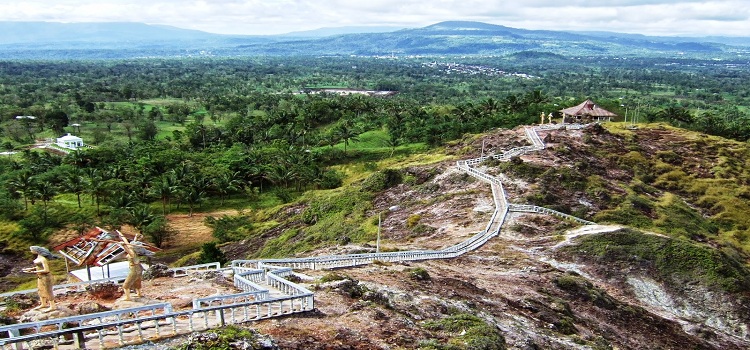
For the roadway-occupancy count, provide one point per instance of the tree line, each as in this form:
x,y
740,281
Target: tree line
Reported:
x,y
176,134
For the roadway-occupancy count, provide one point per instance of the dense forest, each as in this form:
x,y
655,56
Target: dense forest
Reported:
x,y
198,134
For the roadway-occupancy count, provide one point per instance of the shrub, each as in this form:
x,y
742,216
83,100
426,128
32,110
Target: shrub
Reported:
x,y
582,289
331,179
635,161
17,302
10,208
40,222
283,195
332,276
471,332
159,231
677,218
669,157
211,253
382,180
672,180
229,228
423,229
228,338
413,220
419,274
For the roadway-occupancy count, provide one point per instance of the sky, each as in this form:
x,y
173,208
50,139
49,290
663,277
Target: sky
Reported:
x,y
262,17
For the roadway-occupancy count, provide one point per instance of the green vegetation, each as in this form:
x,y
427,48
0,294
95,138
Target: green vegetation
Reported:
x,y
582,289
223,338
332,276
464,331
333,217
692,187
230,228
419,274
201,135
674,261
211,253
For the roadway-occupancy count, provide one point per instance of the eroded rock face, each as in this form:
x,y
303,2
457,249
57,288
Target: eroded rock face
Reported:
x,y
697,307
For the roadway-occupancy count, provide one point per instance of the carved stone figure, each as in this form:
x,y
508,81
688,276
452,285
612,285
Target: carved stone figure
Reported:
x,y
135,276
43,277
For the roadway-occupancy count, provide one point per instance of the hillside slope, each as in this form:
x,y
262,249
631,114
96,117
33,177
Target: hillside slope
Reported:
x,y
681,281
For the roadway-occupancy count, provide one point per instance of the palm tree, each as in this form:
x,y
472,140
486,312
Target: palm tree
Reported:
x,y
75,182
490,105
96,188
78,158
226,183
122,200
676,114
392,142
182,171
140,188
164,189
24,183
280,173
330,139
512,104
193,196
45,192
535,96
141,216
463,112
346,133
201,130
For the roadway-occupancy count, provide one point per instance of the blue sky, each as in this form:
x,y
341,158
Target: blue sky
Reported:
x,y
651,17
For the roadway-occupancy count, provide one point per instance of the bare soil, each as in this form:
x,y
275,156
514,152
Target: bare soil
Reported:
x,y
191,231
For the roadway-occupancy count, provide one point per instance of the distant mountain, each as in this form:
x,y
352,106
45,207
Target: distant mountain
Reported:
x,y
52,32
331,31
476,38
727,40
111,40
122,40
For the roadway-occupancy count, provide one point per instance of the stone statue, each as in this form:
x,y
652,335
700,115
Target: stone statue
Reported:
x,y
43,277
541,118
549,118
135,275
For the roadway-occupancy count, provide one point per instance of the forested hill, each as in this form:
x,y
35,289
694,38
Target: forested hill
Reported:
x,y
35,40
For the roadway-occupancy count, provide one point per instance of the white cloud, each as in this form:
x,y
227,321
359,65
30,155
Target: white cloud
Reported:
x,y
659,17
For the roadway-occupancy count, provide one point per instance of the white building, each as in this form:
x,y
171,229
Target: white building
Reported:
x,y
70,141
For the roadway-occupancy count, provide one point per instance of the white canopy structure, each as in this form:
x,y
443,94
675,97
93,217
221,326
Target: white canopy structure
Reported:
x,y
70,141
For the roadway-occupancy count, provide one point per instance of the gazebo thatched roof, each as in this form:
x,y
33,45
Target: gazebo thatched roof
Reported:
x,y
587,109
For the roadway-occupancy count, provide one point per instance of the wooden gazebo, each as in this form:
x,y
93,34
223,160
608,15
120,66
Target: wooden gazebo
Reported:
x,y
586,112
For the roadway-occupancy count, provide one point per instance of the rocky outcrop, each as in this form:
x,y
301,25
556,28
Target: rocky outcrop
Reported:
x,y
696,308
